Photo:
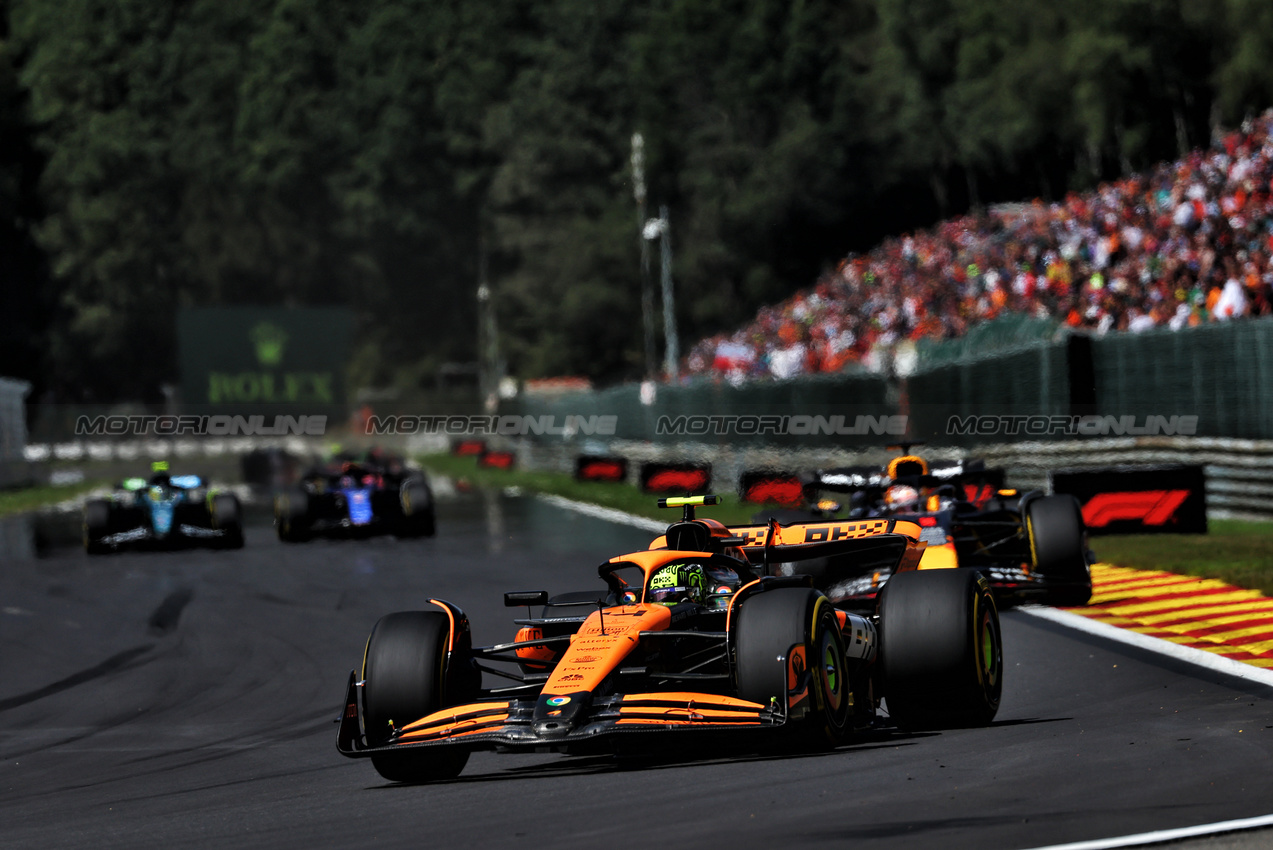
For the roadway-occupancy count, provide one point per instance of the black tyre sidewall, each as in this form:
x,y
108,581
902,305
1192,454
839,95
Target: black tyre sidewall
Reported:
x,y
291,510
941,649
227,515
416,502
1055,528
405,679
769,625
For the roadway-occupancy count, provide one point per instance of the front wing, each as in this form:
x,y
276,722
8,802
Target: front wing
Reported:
x,y
183,534
507,724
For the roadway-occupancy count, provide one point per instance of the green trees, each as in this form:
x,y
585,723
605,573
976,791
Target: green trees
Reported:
x,y
378,154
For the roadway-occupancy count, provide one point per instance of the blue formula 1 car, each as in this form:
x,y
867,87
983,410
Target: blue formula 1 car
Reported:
x,y
377,495
164,512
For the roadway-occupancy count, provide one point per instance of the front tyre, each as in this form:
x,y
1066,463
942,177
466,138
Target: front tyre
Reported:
x,y
405,675
793,632
941,649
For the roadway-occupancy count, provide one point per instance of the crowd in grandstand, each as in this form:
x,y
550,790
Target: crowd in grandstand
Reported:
x,y
1188,243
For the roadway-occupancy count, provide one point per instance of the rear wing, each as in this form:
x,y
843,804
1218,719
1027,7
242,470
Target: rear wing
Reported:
x,y
845,550
817,539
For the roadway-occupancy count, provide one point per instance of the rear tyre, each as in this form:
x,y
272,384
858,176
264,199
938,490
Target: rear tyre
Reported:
x,y
1055,528
291,516
227,515
941,650
772,627
406,678
417,509
97,522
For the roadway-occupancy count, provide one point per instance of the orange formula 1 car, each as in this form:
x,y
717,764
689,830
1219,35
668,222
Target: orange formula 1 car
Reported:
x,y
692,636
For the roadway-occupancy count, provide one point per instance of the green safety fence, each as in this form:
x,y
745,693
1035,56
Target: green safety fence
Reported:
x,y
1222,374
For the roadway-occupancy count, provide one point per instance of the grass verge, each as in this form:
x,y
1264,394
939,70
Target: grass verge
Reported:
x,y
1235,551
31,498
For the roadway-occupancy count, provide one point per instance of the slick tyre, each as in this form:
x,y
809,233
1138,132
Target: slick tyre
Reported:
x,y
941,650
405,672
227,515
1055,528
794,630
417,509
97,522
291,516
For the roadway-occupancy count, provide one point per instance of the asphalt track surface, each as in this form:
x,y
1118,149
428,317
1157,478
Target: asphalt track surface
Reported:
x,y
187,700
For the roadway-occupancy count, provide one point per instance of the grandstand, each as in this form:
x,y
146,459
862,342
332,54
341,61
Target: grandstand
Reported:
x,y
1185,244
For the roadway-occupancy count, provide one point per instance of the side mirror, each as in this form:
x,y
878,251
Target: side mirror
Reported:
x,y
517,598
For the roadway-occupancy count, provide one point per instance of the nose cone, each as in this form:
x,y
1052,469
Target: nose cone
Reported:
x,y
557,715
161,518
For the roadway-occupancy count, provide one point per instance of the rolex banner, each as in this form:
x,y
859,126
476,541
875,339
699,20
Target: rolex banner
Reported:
x,y
270,361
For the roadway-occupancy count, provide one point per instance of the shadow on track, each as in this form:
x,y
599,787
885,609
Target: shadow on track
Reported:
x,y
588,765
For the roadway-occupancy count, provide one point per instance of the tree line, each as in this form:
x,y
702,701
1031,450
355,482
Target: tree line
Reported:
x,y
387,154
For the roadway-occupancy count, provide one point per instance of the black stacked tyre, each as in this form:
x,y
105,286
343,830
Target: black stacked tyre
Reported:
x,y
941,650
770,627
1055,528
407,677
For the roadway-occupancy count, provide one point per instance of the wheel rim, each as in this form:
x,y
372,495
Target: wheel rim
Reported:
x,y
988,655
831,678
832,681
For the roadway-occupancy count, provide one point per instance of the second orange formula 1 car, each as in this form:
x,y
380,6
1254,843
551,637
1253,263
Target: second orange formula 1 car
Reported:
x,y
691,636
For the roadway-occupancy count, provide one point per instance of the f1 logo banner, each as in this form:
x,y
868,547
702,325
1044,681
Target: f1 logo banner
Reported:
x,y
497,460
676,479
764,487
601,468
1144,500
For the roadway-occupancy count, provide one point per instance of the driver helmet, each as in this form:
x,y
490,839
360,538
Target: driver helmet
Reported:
x,y
675,583
901,498
721,584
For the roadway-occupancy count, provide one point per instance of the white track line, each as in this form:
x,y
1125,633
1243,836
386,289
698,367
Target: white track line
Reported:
x,y
1199,657
1165,835
599,512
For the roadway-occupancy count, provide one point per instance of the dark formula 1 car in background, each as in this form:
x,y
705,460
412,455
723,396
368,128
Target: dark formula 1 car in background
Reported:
x,y
1031,547
166,511
378,494
692,637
